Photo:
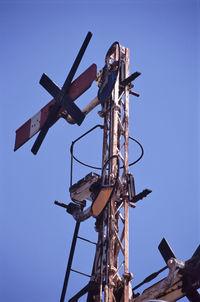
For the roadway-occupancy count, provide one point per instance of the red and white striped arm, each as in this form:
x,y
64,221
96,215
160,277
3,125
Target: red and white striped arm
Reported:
x,y
34,124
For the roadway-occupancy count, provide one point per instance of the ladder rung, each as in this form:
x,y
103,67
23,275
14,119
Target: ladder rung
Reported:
x,y
73,270
86,240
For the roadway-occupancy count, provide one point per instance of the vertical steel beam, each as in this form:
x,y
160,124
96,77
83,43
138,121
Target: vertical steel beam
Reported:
x,y
114,142
126,209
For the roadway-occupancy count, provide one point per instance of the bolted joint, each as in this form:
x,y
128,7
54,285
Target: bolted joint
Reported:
x,y
128,277
111,285
116,108
112,270
102,113
175,264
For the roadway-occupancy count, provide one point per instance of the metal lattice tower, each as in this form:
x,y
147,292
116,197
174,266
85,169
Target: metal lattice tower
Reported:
x,y
110,280
113,231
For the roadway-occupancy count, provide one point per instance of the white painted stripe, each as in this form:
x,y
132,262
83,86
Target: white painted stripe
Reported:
x,y
35,123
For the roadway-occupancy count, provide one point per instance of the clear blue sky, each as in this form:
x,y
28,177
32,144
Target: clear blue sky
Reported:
x,y
45,36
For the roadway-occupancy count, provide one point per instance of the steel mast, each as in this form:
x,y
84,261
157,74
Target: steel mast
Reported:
x,y
112,255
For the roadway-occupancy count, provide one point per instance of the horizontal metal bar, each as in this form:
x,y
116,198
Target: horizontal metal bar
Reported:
x,y
63,205
134,93
84,239
131,78
150,277
73,270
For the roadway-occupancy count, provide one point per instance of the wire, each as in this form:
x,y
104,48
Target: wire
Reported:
x,y
142,151
98,168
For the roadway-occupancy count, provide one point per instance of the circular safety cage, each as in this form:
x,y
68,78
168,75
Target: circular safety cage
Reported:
x,y
73,157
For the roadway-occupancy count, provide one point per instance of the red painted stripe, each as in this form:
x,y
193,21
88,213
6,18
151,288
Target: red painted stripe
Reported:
x,y
83,82
44,113
22,134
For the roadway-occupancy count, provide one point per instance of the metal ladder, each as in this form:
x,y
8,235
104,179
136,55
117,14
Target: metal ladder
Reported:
x,y
71,255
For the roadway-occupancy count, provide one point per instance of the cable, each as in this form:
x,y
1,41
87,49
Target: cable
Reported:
x,y
142,151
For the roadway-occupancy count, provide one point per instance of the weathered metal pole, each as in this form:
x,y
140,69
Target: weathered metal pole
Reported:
x,y
126,207
114,138
113,225
118,145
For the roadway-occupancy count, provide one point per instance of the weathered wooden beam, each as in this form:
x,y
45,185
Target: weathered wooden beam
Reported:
x,y
183,280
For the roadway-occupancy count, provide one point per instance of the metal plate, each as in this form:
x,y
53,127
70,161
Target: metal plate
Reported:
x,y
80,190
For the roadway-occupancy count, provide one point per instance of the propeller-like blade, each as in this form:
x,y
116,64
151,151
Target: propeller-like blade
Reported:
x,y
166,250
77,115
61,97
50,119
131,78
50,86
197,252
76,63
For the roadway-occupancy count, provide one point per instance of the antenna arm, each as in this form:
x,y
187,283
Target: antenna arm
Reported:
x,y
94,103
77,212
161,287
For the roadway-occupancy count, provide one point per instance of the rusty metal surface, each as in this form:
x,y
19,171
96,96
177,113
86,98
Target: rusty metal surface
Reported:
x,y
126,207
182,279
113,226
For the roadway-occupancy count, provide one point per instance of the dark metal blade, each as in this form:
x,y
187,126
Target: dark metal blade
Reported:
x,y
51,117
76,63
50,86
197,252
166,250
141,195
61,97
77,115
131,78
193,296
